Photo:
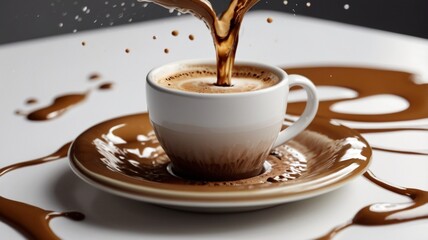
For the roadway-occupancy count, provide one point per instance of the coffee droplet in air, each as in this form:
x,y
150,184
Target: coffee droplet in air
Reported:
x,y
127,50
105,86
154,37
191,37
269,20
175,33
83,43
31,101
166,50
94,76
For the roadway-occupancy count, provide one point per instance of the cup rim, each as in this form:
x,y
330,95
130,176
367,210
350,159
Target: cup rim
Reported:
x,y
282,75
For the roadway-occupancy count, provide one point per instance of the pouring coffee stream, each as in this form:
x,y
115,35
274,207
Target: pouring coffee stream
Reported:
x,y
224,29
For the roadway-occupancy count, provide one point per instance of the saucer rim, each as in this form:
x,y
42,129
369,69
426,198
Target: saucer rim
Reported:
x,y
215,203
276,194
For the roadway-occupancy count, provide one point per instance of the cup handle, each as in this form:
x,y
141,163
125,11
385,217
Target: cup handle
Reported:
x,y
308,114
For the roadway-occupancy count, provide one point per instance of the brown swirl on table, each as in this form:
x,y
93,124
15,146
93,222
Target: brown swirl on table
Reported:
x,y
387,213
30,220
62,103
369,82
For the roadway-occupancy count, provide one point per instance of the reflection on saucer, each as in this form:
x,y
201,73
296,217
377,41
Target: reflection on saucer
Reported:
x,y
123,156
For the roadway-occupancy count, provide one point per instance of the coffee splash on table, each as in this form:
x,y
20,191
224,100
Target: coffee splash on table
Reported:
x,y
62,103
32,221
224,29
380,214
371,82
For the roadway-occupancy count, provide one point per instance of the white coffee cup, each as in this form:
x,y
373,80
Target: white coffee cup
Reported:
x,y
223,136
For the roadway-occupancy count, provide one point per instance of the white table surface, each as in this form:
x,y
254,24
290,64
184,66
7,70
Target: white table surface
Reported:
x,y
49,67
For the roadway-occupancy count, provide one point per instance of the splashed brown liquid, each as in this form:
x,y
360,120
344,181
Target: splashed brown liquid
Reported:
x,y
166,50
127,50
401,152
59,106
224,29
370,82
62,103
83,43
366,82
32,221
174,33
94,76
269,20
31,101
191,37
154,37
105,86
379,214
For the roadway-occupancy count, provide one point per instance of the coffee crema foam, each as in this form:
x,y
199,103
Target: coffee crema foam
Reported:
x,y
203,80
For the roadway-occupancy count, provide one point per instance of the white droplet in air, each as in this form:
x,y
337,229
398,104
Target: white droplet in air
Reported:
x,y
106,2
88,11
76,17
74,30
178,13
107,15
122,4
84,9
346,6
130,20
132,4
308,4
145,4
61,25
171,10
285,2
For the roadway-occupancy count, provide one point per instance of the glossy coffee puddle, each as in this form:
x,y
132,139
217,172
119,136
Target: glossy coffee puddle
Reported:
x,y
61,104
365,81
369,82
32,221
379,214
